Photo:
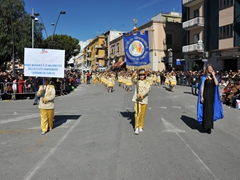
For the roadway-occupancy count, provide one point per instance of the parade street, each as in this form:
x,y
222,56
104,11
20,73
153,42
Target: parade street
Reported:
x,y
93,139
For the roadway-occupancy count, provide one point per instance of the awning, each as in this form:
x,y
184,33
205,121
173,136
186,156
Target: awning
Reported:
x,y
118,64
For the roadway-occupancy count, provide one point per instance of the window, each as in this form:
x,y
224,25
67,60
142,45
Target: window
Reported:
x,y
113,49
226,31
118,48
169,40
223,4
196,13
195,38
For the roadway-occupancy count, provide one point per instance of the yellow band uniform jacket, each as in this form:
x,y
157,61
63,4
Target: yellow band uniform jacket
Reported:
x,y
173,80
46,102
110,82
143,90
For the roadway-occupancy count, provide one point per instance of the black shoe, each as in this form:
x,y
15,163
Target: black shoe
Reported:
x,y
209,131
34,103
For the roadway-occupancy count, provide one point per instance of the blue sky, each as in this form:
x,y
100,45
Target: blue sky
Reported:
x,y
85,19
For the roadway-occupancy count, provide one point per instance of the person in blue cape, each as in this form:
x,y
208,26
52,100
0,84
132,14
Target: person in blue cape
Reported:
x,y
209,105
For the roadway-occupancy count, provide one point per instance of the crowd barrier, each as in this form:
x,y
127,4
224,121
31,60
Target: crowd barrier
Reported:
x,y
10,90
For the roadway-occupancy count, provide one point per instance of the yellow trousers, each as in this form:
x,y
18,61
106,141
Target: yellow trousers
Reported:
x,y
140,114
46,119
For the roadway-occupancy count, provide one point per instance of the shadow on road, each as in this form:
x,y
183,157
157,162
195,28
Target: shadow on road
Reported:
x,y
61,119
130,116
187,93
193,124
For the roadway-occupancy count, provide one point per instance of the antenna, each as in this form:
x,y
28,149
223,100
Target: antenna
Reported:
x,y
99,32
109,27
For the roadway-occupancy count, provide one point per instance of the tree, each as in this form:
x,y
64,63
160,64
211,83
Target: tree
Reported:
x,y
64,42
16,28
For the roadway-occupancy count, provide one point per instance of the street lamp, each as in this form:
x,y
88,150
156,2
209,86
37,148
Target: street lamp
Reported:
x,y
33,20
37,14
13,55
52,34
61,12
170,58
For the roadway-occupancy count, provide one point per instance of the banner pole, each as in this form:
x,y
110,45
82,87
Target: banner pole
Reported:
x,y
43,92
137,92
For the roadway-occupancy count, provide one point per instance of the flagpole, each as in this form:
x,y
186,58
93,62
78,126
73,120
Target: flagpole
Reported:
x,y
137,92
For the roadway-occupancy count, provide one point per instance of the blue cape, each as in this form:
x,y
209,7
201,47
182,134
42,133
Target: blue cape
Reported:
x,y
217,104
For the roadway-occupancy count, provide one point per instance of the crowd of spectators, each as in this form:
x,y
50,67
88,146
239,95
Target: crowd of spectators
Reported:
x,y
18,86
229,84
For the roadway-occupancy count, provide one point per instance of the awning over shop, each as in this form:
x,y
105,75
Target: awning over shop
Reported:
x,y
118,65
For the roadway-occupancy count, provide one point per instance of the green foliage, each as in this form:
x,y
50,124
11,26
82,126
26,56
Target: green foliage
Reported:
x,y
63,42
16,34
16,28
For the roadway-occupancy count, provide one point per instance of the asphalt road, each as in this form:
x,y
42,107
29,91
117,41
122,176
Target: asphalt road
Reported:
x,y
93,139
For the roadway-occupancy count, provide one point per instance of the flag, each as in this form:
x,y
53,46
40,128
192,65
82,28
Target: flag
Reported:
x,y
136,48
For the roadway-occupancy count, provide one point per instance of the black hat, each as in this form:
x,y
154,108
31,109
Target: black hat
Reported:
x,y
141,72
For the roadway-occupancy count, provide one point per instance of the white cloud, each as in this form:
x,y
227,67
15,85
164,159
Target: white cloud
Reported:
x,y
83,44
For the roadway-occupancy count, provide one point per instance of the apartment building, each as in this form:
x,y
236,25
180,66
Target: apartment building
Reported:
x,y
117,55
114,54
211,34
95,53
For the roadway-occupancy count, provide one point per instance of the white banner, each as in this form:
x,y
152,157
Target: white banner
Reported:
x,y
44,62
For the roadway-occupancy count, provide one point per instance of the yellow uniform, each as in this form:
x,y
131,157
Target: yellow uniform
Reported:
x,y
46,106
140,104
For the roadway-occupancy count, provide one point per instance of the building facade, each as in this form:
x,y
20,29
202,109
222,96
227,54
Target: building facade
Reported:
x,y
165,45
110,37
211,34
164,35
95,53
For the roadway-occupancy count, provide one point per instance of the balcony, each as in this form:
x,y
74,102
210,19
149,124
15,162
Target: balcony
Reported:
x,y
90,59
193,23
102,46
190,3
99,56
198,47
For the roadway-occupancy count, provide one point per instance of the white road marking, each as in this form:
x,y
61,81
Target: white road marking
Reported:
x,y
171,128
20,118
33,171
62,126
204,166
177,107
191,107
162,107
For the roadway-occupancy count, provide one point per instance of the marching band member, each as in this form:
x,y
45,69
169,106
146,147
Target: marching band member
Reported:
x,y
172,81
158,78
46,93
110,82
140,99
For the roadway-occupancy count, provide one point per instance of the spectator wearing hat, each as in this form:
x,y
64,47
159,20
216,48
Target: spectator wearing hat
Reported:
x,y
140,99
46,93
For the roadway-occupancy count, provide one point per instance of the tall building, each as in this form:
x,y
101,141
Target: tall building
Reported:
x,y
211,34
